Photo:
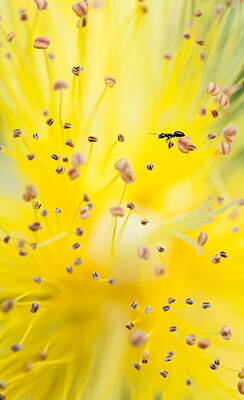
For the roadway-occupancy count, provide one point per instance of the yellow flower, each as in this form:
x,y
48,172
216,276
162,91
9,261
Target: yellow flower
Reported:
x,y
121,256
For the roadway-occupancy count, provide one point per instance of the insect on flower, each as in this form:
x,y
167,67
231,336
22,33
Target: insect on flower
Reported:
x,y
169,137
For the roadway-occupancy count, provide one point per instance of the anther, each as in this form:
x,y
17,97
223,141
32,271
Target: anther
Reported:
x,y
171,300
217,361
130,205
206,305
57,210
50,121
90,205
78,261
92,139
65,159
78,159
133,305
60,169
79,231
7,305
69,269
117,211
31,193
112,281
189,301
122,165
202,111
35,226
17,133
37,279
10,36
76,70
95,276
225,147
191,339
33,246
172,328
37,205
188,382
216,259
3,386
202,238
186,35
55,157
34,308
148,309
166,308
73,173
160,270
203,343
168,358
136,365
224,101
143,252
23,14
168,56
129,325
80,8
240,386
220,199
16,347
164,374
60,85
121,138
84,212
241,374
160,249
213,366
35,136
110,81
214,113
200,42
145,356
150,166
75,246
198,13
185,145
211,135
138,338
51,56
67,125
229,132
6,239
213,88
144,221
41,4
69,143
43,354
41,42
223,254
226,332
30,157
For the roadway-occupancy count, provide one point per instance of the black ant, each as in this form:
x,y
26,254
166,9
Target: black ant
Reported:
x,y
169,136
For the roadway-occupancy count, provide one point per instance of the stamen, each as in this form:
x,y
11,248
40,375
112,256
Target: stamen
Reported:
x,y
138,338
53,239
